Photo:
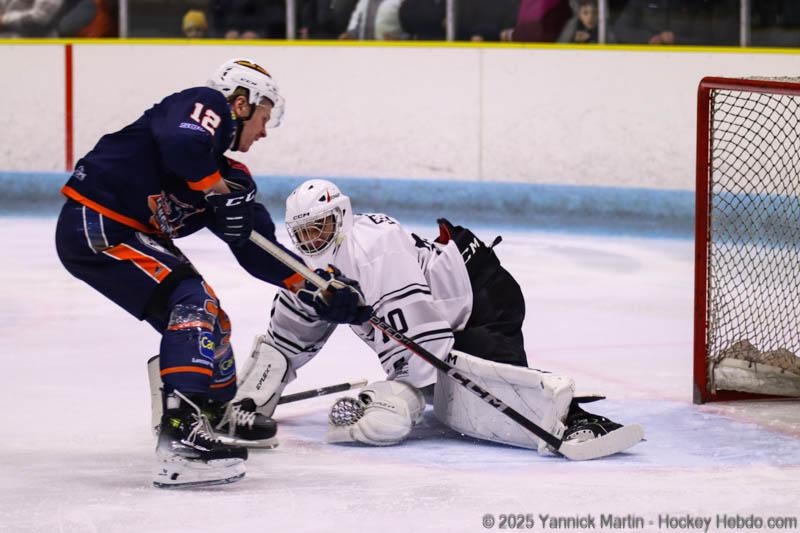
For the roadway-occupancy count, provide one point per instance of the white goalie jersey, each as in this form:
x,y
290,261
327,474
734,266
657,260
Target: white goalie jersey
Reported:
x,y
420,287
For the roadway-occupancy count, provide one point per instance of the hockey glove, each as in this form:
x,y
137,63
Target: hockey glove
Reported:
x,y
233,214
341,302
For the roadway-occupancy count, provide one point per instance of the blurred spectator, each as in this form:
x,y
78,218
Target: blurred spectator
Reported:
x,y
195,25
249,19
375,19
583,27
479,20
324,19
540,21
29,18
775,23
423,19
713,22
88,18
476,20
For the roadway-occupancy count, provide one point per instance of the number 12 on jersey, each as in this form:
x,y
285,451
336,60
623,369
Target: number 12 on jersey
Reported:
x,y
209,120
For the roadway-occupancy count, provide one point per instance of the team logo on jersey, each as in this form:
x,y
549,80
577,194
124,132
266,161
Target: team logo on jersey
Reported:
x,y
79,174
169,213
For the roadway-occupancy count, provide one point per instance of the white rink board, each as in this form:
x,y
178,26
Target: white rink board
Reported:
x,y
610,116
31,107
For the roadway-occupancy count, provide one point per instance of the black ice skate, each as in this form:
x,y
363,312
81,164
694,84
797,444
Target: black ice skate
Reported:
x,y
241,425
188,452
596,436
583,426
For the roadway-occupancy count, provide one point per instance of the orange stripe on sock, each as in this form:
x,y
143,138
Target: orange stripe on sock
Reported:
x,y
223,385
189,325
148,264
194,369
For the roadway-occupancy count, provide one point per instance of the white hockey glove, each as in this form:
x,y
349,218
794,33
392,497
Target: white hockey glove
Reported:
x,y
266,373
382,415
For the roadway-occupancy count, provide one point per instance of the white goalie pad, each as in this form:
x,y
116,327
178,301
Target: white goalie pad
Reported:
x,y
266,373
156,388
542,397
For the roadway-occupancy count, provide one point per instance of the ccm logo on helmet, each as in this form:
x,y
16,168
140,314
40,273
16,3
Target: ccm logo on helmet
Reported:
x,y
301,215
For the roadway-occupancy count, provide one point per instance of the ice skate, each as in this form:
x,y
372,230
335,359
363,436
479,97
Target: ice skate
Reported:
x,y
590,436
188,452
240,425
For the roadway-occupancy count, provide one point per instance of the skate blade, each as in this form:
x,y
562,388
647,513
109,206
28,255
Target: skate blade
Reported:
x,y
182,473
264,444
617,441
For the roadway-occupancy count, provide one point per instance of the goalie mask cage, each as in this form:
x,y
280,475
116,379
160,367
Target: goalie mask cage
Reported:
x,y
747,239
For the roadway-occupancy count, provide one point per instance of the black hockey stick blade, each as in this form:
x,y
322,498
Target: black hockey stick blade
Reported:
x,y
322,391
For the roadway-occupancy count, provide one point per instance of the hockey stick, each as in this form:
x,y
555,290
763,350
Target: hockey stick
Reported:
x,y
589,449
330,389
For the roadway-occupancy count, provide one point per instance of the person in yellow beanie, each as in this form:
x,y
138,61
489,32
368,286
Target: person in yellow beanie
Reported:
x,y
195,25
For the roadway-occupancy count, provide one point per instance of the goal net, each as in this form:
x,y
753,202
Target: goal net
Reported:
x,y
747,267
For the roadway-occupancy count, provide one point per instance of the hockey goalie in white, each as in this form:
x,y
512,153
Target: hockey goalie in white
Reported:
x,y
452,297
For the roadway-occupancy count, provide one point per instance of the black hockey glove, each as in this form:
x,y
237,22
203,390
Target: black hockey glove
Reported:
x,y
233,214
341,302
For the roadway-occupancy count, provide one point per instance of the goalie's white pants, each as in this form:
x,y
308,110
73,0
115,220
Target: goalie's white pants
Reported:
x,y
542,397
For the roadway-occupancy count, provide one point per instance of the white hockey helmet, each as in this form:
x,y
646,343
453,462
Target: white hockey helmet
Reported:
x,y
247,74
317,216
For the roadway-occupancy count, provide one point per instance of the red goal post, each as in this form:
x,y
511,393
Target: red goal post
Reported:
x,y
747,239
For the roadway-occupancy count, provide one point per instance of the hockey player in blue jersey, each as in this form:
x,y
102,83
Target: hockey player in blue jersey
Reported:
x,y
160,178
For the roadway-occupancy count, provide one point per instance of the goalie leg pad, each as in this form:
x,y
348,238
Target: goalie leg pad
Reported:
x,y
156,393
382,415
542,397
266,373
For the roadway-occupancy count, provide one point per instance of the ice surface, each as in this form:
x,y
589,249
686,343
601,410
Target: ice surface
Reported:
x,y
76,453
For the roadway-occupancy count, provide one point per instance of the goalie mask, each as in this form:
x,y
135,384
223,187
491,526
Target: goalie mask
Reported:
x,y
317,216
258,85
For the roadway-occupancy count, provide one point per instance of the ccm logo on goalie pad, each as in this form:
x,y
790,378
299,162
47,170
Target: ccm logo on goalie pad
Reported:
x,y
484,395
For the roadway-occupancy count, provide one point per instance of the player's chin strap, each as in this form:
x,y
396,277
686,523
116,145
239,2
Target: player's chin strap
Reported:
x,y
589,449
237,134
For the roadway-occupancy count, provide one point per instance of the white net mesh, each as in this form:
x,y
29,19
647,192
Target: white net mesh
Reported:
x,y
754,251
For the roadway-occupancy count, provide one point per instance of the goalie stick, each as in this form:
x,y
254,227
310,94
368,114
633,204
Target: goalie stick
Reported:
x,y
577,451
322,391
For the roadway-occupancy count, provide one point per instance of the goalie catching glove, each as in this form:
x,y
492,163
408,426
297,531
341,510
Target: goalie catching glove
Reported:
x,y
340,302
383,414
